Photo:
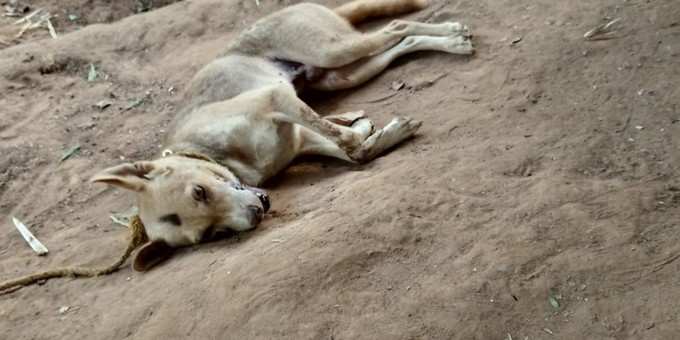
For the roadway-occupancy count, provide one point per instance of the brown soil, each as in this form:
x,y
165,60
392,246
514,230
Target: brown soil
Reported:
x,y
67,15
546,170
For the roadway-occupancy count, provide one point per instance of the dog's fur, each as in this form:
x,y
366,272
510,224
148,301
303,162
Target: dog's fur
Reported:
x,y
243,121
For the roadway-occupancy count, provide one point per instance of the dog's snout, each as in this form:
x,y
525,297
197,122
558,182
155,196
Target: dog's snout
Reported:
x,y
264,199
262,196
257,214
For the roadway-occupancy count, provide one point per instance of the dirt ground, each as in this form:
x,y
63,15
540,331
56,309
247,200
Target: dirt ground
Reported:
x,y
541,199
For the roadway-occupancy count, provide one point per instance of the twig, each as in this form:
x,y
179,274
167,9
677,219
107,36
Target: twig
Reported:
x,y
601,32
664,263
29,26
37,247
429,83
28,17
50,28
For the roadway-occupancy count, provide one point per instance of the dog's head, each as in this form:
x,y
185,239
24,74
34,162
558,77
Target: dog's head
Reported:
x,y
183,201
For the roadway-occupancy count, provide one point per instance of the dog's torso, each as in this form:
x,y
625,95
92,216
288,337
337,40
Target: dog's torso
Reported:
x,y
227,118
228,115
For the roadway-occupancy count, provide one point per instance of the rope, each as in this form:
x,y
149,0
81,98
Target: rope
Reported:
x,y
137,238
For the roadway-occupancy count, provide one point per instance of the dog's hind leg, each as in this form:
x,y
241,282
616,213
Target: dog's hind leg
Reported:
x,y
360,10
355,47
317,37
365,69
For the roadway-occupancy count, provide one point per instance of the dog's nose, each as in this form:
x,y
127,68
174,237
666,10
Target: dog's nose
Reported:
x,y
262,195
264,199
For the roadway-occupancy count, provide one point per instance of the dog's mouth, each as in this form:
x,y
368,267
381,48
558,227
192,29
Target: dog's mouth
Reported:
x,y
262,195
264,199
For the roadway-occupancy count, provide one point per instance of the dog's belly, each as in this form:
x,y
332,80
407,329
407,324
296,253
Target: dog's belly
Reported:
x,y
298,73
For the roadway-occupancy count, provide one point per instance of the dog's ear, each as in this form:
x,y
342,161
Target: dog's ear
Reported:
x,y
131,176
151,254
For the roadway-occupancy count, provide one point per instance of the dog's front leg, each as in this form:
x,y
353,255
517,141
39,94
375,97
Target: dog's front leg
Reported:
x,y
358,142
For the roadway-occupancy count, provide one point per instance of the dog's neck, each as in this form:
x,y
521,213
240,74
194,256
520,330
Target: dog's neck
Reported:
x,y
242,172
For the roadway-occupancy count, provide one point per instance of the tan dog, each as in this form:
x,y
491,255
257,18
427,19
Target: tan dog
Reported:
x,y
244,122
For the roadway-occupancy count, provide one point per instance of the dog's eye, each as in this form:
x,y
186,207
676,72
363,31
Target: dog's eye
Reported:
x,y
199,193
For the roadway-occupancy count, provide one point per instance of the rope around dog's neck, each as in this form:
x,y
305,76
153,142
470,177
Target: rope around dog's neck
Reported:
x,y
137,238
189,154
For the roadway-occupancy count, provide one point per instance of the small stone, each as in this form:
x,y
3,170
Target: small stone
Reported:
x,y
103,104
639,127
64,309
397,85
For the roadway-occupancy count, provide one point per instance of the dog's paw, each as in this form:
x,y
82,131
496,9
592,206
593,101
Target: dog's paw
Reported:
x,y
364,126
404,127
457,29
459,45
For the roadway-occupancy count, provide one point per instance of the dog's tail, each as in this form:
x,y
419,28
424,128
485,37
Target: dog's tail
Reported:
x,y
358,11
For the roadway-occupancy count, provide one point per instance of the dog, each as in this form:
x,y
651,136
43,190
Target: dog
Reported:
x,y
243,121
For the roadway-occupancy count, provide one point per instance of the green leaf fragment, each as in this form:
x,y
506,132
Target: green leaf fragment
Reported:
x,y
70,152
92,74
134,104
553,302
